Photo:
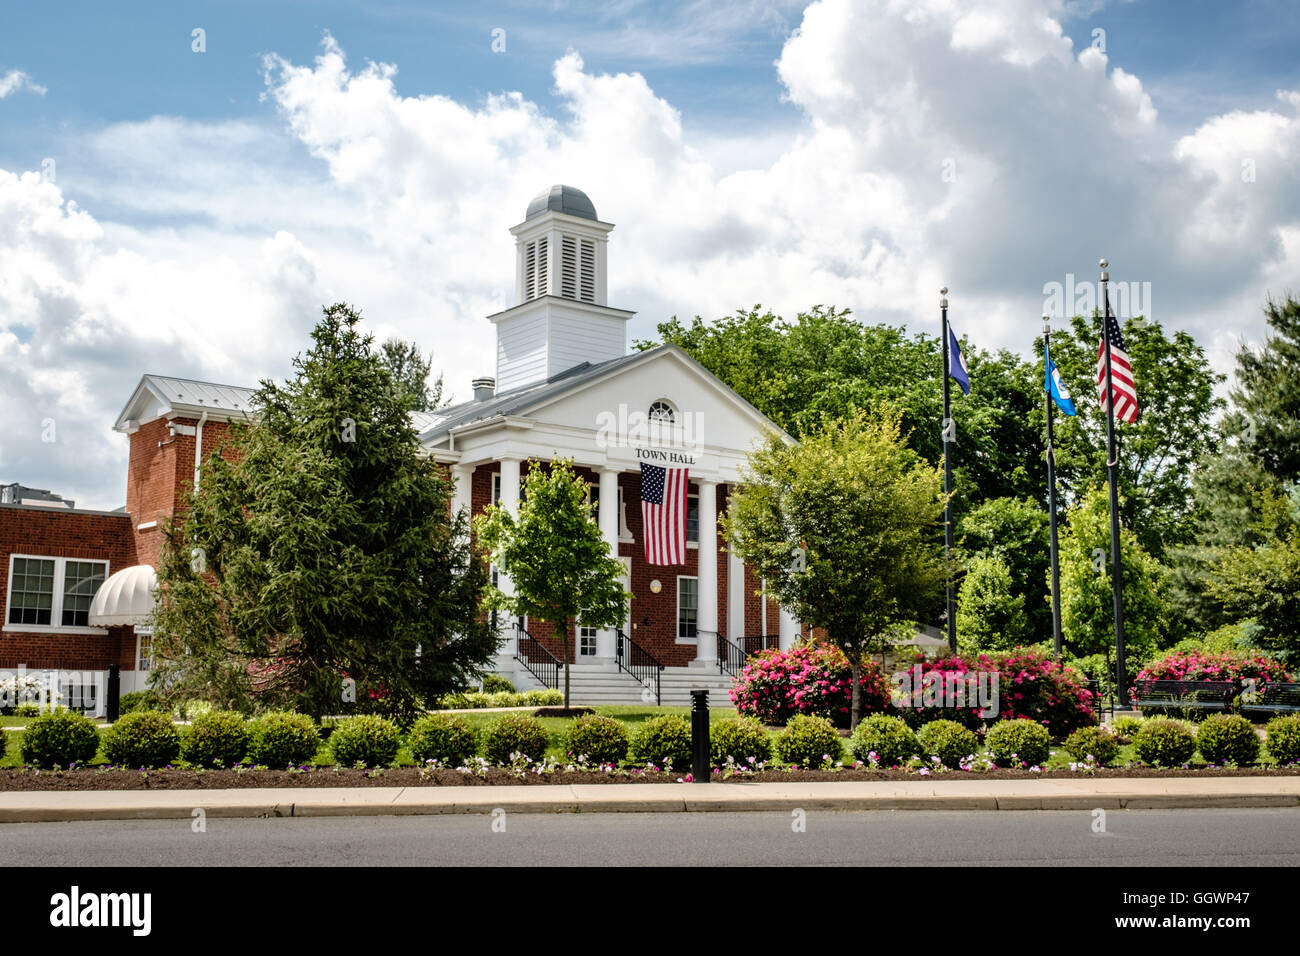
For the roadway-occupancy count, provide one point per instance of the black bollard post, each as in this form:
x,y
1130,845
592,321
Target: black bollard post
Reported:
x,y
699,736
114,693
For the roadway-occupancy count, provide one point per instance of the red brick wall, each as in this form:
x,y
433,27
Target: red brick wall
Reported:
x,y
160,477
62,534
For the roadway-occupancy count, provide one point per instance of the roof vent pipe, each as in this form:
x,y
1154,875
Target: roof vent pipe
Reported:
x,y
485,388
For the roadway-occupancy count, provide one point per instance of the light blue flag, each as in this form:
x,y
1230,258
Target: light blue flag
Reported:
x,y
1056,388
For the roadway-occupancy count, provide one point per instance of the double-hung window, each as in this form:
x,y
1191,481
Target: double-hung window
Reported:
x,y
52,592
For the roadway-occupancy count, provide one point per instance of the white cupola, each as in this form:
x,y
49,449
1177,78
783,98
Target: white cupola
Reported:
x,y
560,319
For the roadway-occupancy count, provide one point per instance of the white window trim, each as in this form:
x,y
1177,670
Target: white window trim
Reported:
x,y
677,609
56,600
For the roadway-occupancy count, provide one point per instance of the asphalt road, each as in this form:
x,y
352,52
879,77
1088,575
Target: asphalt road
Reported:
x,y
951,838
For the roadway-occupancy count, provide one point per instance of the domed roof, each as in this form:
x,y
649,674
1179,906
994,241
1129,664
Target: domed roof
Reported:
x,y
565,199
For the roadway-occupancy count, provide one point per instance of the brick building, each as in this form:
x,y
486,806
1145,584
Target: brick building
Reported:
x,y
563,385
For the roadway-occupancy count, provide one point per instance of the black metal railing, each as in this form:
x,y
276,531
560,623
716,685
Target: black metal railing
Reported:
x,y
731,657
638,663
537,660
761,642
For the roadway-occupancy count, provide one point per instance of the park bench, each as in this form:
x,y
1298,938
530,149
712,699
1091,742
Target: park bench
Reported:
x,y
1184,695
1274,697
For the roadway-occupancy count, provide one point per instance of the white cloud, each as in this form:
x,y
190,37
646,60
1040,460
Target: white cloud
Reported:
x,y
16,80
944,142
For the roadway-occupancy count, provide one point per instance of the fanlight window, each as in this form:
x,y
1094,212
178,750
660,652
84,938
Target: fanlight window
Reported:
x,y
662,412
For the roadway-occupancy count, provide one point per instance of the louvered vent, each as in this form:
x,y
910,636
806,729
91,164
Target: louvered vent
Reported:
x,y
568,267
587,276
535,269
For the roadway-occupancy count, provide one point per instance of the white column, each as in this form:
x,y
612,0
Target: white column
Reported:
x,y
608,520
735,599
463,480
706,615
789,629
509,501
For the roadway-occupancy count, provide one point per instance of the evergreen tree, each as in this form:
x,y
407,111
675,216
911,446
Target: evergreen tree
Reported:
x,y
990,616
322,545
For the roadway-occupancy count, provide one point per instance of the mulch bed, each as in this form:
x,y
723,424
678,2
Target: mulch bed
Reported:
x,y
12,778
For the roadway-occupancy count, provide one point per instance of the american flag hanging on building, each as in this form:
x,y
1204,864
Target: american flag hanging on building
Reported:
x,y
663,513
1121,375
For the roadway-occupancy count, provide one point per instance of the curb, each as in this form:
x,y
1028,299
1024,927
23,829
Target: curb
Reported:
x,y
1112,794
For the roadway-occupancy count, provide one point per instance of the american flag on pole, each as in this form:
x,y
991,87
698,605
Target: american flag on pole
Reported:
x,y
1121,374
663,513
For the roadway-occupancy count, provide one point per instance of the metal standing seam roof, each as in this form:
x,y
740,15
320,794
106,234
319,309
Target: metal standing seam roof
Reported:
x,y
563,199
184,391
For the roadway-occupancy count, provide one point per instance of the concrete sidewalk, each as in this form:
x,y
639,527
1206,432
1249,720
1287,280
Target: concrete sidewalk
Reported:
x,y
1056,794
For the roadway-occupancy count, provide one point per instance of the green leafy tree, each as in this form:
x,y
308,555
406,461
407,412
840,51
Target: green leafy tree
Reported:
x,y
1087,608
1175,387
1262,582
410,370
823,363
841,527
990,616
557,560
1014,530
322,545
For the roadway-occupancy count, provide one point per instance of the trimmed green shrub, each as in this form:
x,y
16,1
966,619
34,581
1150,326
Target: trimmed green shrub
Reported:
x,y
739,739
1229,737
59,739
4,743
1018,741
1126,728
494,683
598,738
366,738
1164,742
446,738
1101,745
137,700
27,709
543,698
218,738
515,733
810,742
282,738
1283,742
142,738
888,737
664,741
947,740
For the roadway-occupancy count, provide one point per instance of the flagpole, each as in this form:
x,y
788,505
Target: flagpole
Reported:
x,y
1112,467
947,475
1053,548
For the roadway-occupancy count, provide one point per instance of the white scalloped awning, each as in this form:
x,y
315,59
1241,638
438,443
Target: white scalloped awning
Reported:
x,y
125,598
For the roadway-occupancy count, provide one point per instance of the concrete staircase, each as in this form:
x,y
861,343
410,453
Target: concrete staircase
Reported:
x,y
603,683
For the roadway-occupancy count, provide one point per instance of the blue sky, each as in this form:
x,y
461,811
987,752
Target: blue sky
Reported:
x,y
851,152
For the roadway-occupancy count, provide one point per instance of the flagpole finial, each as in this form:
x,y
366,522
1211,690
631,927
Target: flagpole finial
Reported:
x,y
1047,324
1105,264
943,300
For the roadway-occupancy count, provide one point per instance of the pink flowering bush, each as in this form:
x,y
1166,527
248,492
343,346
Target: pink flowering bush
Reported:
x,y
811,679
944,675
1032,686
1205,665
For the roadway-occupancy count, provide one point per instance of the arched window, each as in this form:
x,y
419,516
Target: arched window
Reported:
x,y
662,412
